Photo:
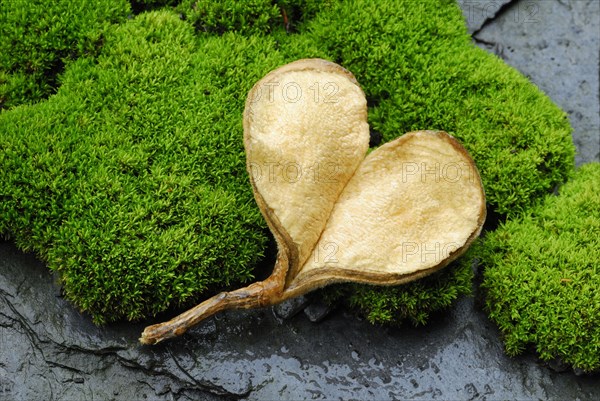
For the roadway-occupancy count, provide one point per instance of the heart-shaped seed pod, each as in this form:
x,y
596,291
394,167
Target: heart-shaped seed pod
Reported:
x,y
404,211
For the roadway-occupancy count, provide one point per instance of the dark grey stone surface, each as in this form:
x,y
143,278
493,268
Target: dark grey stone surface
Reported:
x,y
317,311
49,351
52,352
289,308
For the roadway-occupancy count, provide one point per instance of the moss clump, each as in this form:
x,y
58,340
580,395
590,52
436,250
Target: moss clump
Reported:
x,y
37,39
414,301
130,181
542,275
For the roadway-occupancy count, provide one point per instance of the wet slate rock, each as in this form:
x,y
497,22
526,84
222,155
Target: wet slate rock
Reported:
x,y
558,365
51,351
56,353
317,311
291,307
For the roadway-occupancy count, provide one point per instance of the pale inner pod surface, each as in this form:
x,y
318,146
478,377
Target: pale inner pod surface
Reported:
x,y
412,206
305,133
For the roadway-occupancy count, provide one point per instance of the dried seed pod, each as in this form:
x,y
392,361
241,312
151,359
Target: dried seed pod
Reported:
x,y
404,211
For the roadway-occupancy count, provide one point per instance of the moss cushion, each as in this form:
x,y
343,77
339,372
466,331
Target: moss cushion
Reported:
x,y
130,180
38,38
542,275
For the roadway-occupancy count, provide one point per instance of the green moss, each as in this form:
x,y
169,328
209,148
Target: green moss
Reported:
x,y
247,17
37,38
250,16
139,6
414,301
130,181
542,275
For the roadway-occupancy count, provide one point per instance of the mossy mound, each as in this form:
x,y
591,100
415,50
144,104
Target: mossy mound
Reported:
x,y
130,181
415,301
38,38
542,275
